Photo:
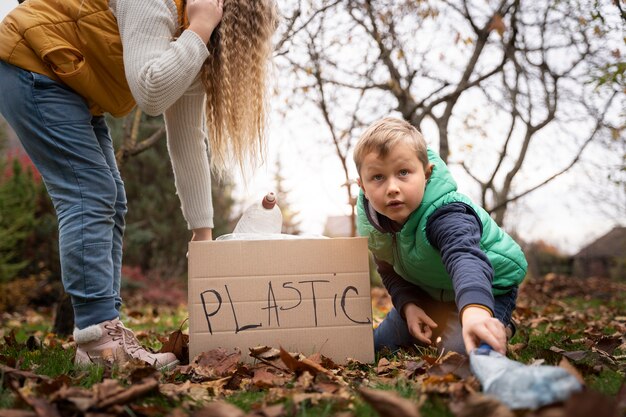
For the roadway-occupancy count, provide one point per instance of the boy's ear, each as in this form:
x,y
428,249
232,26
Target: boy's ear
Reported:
x,y
429,170
358,181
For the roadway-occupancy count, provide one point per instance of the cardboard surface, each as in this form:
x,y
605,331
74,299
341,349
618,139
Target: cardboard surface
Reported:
x,y
306,295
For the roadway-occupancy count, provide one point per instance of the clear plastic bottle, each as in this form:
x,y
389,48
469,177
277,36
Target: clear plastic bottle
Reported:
x,y
263,217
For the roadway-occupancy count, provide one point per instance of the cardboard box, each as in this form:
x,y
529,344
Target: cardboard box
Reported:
x,y
306,295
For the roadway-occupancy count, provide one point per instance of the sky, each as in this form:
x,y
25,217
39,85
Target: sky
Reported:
x,y
6,6
557,214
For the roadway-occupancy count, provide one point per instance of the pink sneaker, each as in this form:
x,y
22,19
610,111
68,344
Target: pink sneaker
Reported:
x,y
111,342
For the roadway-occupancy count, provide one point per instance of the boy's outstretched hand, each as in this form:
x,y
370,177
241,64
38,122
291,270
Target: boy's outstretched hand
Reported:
x,y
479,326
419,324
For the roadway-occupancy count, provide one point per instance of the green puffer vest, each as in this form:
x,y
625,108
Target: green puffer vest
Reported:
x,y
412,255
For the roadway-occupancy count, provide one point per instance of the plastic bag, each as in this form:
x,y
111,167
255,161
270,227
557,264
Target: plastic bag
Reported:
x,y
521,386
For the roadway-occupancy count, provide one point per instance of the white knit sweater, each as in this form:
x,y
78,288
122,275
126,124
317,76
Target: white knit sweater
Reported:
x,y
163,75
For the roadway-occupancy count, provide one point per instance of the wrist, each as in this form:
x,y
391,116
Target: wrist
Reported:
x,y
474,312
409,307
202,233
202,31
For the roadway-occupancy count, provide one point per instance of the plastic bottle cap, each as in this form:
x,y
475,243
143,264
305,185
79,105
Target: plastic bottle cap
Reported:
x,y
269,201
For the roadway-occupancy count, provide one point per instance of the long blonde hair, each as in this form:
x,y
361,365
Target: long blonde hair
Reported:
x,y
235,77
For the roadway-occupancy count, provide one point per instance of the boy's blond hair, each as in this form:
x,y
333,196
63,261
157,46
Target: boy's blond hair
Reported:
x,y
382,135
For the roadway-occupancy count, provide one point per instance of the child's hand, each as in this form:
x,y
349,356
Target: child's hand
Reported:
x,y
204,16
479,326
419,324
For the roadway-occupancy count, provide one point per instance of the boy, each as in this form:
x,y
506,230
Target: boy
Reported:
x,y
448,267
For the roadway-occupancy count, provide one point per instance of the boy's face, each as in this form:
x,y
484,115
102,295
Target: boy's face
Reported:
x,y
394,185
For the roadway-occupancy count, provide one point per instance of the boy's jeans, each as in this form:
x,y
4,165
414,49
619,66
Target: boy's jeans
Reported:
x,y
74,153
393,333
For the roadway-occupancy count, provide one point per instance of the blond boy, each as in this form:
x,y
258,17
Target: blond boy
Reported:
x,y
450,269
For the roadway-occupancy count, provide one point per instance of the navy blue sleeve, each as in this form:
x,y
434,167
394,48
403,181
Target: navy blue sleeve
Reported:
x,y
400,290
455,231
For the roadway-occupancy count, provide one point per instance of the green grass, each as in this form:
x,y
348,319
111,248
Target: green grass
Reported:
x,y
52,361
246,399
607,382
435,407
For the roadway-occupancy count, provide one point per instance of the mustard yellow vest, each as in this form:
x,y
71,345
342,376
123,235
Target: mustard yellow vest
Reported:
x,y
75,42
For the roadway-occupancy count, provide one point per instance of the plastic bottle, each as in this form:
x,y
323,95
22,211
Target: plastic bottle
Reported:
x,y
263,217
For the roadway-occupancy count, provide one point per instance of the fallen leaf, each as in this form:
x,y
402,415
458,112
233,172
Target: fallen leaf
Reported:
x,y
16,373
590,403
216,363
265,378
412,369
219,409
383,366
178,344
81,398
608,344
479,405
389,404
576,355
453,363
288,360
304,381
565,364
264,352
18,413
126,394
276,410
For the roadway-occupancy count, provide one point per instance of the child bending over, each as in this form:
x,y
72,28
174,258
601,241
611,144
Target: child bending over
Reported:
x,y
450,270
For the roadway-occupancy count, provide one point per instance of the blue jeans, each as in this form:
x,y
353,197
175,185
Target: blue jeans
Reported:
x,y
393,333
74,153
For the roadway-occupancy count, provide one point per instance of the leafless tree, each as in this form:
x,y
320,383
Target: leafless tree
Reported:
x,y
443,65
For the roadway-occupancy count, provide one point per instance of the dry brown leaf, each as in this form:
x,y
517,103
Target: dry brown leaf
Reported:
x,y
17,413
439,379
412,369
12,373
328,387
478,405
276,410
452,363
608,344
565,364
383,366
304,381
127,394
289,360
264,352
264,378
178,344
41,406
216,363
82,398
314,398
219,409
590,403
175,391
497,24
389,404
